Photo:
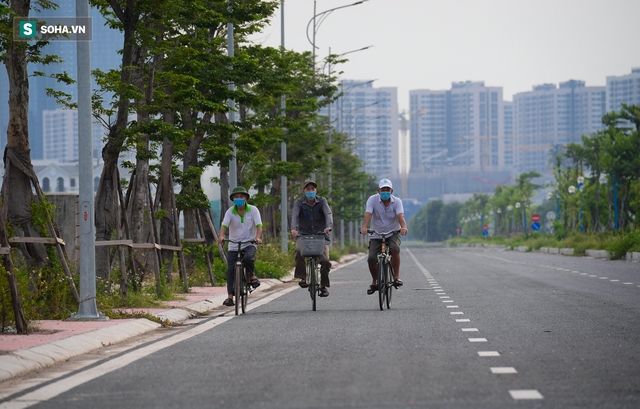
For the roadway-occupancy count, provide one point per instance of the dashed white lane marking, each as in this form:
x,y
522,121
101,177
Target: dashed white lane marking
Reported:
x,y
583,274
445,296
447,300
614,281
488,353
525,394
469,329
463,320
603,278
593,275
574,271
503,370
477,340
452,306
457,313
627,283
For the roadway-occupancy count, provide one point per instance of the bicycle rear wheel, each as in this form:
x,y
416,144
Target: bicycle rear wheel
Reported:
x,y
245,291
382,284
238,286
313,282
389,284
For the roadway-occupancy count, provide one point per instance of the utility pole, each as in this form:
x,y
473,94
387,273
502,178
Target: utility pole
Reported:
x,y
284,225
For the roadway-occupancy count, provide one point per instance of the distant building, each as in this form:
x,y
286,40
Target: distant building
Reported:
x,y
370,117
623,89
458,141
60,135
549,116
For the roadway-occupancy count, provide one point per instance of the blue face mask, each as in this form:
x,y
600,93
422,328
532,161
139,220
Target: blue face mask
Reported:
x,y
310,195
385,195
238,202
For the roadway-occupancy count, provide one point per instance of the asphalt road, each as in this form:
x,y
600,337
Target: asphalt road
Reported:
x,y
469,329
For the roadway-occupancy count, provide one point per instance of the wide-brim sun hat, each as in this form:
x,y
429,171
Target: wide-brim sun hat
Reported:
x,y
239,189
309,181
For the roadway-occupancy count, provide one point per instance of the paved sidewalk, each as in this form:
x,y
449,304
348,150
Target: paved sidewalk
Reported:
x,y
57,341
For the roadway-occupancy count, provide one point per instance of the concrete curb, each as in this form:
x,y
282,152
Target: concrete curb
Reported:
x,y
23,361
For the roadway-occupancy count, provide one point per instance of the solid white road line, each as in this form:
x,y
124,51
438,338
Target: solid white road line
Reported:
x,y
54,389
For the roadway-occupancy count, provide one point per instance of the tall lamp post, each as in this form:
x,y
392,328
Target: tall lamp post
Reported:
x,y
572,190
580,181
498,214
517,207
511,223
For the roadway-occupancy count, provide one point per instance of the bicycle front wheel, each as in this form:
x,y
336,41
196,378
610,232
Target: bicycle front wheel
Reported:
x,y
245,291
389,284
313,282
238,286
382,284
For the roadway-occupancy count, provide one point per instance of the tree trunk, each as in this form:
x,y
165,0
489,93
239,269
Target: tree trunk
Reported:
x,y
107,194
167,233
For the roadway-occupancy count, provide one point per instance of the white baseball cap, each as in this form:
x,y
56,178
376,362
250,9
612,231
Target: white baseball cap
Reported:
x,y
385,183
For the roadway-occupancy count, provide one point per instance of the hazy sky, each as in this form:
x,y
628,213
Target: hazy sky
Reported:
x,y
428,44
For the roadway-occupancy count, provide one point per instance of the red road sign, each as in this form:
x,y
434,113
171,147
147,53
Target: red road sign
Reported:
x,y
535,217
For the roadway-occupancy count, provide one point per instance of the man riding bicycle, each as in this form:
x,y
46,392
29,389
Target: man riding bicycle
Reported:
x,y
310,215
386,214
244,224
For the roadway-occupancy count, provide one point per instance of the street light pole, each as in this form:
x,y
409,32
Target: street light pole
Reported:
x,y
283,153
580,181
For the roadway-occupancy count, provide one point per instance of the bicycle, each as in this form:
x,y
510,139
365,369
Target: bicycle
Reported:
x,y
385,270
311,248
243,290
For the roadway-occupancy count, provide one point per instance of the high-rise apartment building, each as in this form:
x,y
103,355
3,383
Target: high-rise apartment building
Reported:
x,y
549,116
60,135
623,89
462,127
370,117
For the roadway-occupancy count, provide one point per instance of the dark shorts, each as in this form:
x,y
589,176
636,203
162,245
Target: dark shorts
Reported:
x,y
375,245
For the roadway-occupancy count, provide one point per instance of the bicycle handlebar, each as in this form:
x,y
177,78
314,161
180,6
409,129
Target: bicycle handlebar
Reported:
x,y
381,233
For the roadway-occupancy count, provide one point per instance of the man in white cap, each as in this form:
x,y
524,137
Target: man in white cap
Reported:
x,y
386,214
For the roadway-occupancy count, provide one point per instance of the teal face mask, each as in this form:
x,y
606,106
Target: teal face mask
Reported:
x,y
385,195
238,202
310,195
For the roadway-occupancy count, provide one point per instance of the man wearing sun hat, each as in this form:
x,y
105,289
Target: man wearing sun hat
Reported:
x,y
386,214
244,223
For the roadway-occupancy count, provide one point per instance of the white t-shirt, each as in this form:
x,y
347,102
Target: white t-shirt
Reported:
x,y
242,228
384,219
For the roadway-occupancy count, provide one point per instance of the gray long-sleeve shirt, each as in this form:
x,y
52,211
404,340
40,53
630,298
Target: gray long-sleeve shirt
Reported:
x,y
311,219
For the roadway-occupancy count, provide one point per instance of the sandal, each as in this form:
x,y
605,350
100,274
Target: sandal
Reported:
x,y
324,292
397,283
303,284
255,283
372,289
228,302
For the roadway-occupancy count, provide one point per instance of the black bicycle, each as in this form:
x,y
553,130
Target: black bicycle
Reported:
x,y
385,269
311,247
242,285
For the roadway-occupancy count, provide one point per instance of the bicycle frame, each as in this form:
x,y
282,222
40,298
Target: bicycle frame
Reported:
x,y
385,270
242,286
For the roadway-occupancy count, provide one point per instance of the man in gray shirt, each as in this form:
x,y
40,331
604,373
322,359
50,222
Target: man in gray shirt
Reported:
x,y
311,214
386,214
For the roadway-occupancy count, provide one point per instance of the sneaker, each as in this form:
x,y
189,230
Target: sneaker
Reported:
x,y
303,284
324,292
228,302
